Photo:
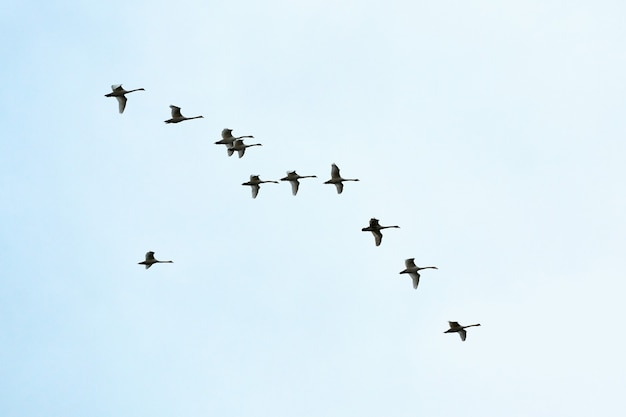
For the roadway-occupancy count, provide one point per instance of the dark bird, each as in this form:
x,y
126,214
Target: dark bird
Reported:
x,y
150,260
240,147
293,178
119,94
228,138
335,178
455,327
375,228
177,117
412,270
255,183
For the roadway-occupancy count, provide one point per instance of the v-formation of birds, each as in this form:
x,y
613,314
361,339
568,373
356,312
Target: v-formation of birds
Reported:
x,y
233,144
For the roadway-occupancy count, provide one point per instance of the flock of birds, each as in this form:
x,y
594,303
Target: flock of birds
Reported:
x,y
233,144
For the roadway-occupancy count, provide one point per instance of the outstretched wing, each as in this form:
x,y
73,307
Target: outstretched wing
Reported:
x,y
378,237
374,222
334,171
175,111
410,263
150,256
454,324
241,152
255,190
416,279
294,186
121,101
463,334
117,88
339,186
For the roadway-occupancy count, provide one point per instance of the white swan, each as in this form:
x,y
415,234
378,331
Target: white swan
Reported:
x,y
375,228
150,260
177,117
455,327
119,94
240,147
412,270
228,138
293,178
336,179
255,183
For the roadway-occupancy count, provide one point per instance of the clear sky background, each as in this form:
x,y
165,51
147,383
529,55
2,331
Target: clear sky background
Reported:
x,y
492,132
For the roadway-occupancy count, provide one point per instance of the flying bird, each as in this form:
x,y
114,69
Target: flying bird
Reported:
x,y
412,270
455,327
177,117
150,260
335,178
228,138
120,94
255,183
293,178
240,147
375,228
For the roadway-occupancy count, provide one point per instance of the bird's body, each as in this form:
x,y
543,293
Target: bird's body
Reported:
x,y
150,260
255,182
455,327
293,178
335,178
228,139
120,94
240,147
375,228
413,270
177,117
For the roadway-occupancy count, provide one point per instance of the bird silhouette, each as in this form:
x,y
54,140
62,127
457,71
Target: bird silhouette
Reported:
x,y
293,178
120,94
375,228
255,183
177,117
240,147
150,260
228,138
335,178
455,327
412,270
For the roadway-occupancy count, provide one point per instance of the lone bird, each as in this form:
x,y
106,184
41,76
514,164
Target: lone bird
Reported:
x,y
255,182
240,147
150,260
335,178
375,228
177,117
228,138
293,178
455,327
412,270
120,94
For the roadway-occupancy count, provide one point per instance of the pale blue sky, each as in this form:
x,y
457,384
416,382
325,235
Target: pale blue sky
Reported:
x,y
491,132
